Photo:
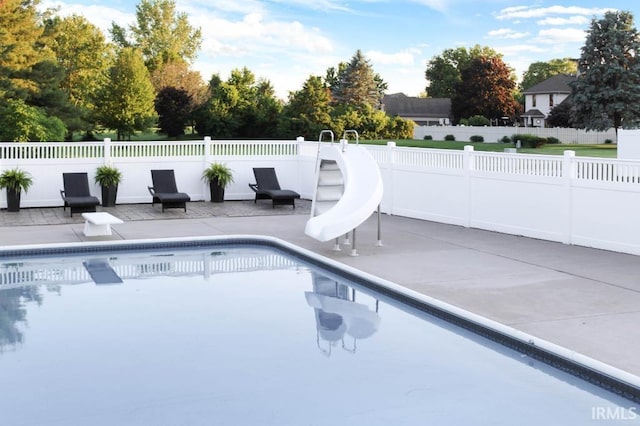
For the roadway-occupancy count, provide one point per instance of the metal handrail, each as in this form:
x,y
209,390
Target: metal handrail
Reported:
x,y
344,135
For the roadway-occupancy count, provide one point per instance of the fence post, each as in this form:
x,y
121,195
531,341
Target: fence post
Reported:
x,y
568,174
468,166
388,192
299,142
107,150
207,151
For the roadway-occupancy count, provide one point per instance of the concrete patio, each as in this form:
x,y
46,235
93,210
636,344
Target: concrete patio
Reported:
x,y
584,299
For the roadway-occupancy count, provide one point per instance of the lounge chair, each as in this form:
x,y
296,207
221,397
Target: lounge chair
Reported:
x,y
267,187
76,194
165,191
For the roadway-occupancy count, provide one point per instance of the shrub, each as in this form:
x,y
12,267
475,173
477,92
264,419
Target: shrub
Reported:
x,y
505,139
478,121
449,138
428,138
608,141
551,139
476,138
529,141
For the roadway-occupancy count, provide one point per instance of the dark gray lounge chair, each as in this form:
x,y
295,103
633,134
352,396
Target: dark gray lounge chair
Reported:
x,y
267,187
165,191
76,194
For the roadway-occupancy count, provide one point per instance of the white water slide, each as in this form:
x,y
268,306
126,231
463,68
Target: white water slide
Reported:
x,y
348,190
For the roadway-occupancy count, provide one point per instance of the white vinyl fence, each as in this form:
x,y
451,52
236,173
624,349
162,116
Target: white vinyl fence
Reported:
x,y
493,134
574,200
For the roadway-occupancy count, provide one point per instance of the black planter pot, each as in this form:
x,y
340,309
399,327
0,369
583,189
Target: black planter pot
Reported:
x,y
109,194
13,200
217,191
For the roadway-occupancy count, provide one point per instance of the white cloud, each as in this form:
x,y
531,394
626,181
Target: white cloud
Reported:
x,y
507,33
100,16
525,12
561,35
521,49
573,20
326,5
228,6
439,5
405,57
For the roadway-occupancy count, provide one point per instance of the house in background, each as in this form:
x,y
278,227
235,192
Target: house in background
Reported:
x,y
540,99
424,111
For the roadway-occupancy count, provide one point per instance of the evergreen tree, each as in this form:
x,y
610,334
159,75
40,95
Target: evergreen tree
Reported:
x,y
20,50
127,103
357,83
607,91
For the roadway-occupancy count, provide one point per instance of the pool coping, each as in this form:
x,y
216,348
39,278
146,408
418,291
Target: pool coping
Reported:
x,y
603,375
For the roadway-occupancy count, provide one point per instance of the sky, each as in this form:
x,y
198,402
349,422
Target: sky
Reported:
x,y
286,41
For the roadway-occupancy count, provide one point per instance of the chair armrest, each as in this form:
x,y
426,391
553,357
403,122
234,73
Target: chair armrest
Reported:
x,y
151,190
62,194
254,187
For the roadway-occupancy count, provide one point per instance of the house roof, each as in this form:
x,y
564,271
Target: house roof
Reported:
x,y
556,84
535,113
408,106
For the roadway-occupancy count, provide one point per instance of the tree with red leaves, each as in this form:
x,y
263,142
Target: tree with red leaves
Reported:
x,y
487,87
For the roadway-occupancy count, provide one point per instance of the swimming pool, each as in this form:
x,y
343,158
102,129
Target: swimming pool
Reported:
x,y
244,330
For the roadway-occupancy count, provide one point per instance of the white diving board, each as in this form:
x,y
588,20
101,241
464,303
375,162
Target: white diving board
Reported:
x,y
99,223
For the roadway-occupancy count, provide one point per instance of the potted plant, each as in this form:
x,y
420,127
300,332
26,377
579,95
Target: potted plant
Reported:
x,y
15,181
219,176
108,177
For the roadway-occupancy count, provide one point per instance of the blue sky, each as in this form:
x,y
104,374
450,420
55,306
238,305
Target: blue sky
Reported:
x,y
286,41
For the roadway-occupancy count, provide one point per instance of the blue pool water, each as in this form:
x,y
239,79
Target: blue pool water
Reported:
x,y
251,334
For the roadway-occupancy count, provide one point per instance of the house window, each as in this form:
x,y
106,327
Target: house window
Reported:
x,y
551,99
533,101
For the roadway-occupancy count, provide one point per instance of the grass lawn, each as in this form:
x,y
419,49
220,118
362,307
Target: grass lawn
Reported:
x,y
603,150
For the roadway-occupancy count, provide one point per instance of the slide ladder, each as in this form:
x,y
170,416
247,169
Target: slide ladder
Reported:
x,y
348,190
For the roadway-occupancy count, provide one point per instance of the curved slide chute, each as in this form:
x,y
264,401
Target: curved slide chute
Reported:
x,y
348,190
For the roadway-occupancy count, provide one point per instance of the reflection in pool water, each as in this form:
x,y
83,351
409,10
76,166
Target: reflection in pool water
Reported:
x,y
338,315
238,335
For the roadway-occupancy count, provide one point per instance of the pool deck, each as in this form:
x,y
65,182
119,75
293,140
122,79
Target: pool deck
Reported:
x,y
584,299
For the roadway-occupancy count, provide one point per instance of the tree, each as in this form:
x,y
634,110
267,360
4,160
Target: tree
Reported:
x,y
20,122
174,108
49,96
356,83
20,50
178,75
213,118
127,102
82,51
607,91
308,111
560,115
541,71
443,72
241,107
161,34
486,88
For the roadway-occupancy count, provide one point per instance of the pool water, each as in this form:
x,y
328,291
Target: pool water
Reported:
x,y
251,335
